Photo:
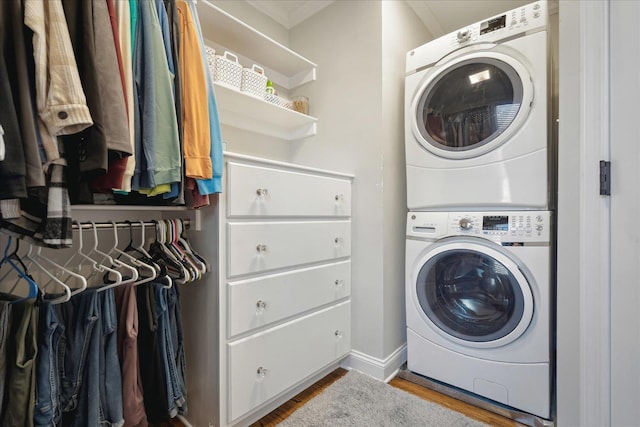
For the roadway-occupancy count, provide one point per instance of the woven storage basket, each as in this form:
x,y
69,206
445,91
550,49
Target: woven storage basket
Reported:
x,y
227,71
254,82
281,102
211,54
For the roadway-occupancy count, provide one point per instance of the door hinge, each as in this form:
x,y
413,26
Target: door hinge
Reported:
x,y
605,178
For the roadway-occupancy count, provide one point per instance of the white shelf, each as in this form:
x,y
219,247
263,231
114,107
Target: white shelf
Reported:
x,y
282,65
246,112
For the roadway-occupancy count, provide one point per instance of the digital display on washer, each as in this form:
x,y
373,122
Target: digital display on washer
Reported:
x,y
495,222
493,24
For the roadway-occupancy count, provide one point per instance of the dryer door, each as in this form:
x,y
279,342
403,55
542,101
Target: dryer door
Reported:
x,y
470,105
473,293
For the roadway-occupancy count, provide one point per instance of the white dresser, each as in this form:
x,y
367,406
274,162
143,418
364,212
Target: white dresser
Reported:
x,y
284,282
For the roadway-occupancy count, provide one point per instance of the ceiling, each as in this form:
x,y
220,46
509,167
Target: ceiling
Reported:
x,y
439,16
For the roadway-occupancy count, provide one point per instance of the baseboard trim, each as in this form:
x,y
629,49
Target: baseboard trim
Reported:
x,y
381,369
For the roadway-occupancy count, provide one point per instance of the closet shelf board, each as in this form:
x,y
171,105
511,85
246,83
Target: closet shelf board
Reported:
x,y
246,112
225,30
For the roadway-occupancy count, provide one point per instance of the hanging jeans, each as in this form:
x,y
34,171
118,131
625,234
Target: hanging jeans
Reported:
x,y
50,330
177,339
92,384
5,328
21,376
175,396
152,373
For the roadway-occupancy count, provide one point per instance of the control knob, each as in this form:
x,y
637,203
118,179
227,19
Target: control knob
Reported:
x,y
466,224
464,35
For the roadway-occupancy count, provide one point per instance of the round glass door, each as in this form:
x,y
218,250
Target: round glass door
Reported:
x,y
474,296
471,105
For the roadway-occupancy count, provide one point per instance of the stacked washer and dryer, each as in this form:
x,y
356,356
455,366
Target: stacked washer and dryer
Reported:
x,y
479,250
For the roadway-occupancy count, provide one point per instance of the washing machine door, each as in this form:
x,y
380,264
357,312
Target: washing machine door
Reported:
x,y
473,293
471,104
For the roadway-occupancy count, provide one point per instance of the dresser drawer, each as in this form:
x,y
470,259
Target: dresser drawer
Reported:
x,y
266,364
263,300
261,246
263,191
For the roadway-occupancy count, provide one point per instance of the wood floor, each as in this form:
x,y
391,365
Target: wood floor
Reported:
x,y
471,411
289,407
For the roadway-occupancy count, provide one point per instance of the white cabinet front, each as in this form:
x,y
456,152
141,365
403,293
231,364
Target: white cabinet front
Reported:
x,y
264,365
262,246
261,301
261,191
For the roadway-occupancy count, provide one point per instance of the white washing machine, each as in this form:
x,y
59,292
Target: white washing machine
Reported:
x,y
476,121
478,300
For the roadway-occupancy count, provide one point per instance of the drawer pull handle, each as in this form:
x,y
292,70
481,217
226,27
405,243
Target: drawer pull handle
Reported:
x,y
261,305
338,333
339,283
262,192
338,240
339,197
261,248
262,372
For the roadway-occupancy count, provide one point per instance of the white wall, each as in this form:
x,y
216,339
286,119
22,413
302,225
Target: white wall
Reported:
x,y
395,45
254,18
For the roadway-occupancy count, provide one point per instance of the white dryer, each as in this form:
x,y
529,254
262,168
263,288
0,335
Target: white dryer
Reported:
x,y
478,302
476,121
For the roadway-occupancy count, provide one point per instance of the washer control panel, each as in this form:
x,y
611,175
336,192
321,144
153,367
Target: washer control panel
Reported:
x,y
518,226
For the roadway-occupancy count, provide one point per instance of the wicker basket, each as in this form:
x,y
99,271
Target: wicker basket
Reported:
x,y
227,71
211,54
254,82
281,102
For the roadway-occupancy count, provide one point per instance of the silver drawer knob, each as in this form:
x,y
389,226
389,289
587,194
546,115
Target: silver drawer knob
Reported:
x,y
338,240
338,333
339,197
261,248
339,283
262,372
262,192
261,305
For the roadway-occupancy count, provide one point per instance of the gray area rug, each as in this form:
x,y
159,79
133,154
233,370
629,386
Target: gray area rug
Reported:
x,y
359,400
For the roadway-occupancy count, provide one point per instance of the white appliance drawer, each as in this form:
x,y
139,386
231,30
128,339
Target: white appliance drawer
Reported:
x,y
261,246
263,191
263,300
266,364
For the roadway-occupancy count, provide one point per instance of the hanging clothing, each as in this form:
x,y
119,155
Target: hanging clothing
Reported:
x,y
21,372
214,184
18,55
195,116
132,394
157,144
123,19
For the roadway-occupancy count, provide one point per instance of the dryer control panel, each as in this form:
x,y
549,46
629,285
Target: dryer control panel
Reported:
x,y
502,227
526,19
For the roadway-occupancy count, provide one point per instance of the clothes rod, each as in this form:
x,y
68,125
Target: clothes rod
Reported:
x,y
133,224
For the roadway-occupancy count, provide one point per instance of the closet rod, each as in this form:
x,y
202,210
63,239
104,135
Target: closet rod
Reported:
x,y
133,224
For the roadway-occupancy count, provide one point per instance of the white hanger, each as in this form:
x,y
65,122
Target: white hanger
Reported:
x,y
65,287
112,263
153,273
84,257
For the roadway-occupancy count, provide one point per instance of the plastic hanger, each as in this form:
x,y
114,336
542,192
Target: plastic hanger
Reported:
x,y
22,272
184,243
161,254
112,263
95,267
150,269
66,289
194,270
39,257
